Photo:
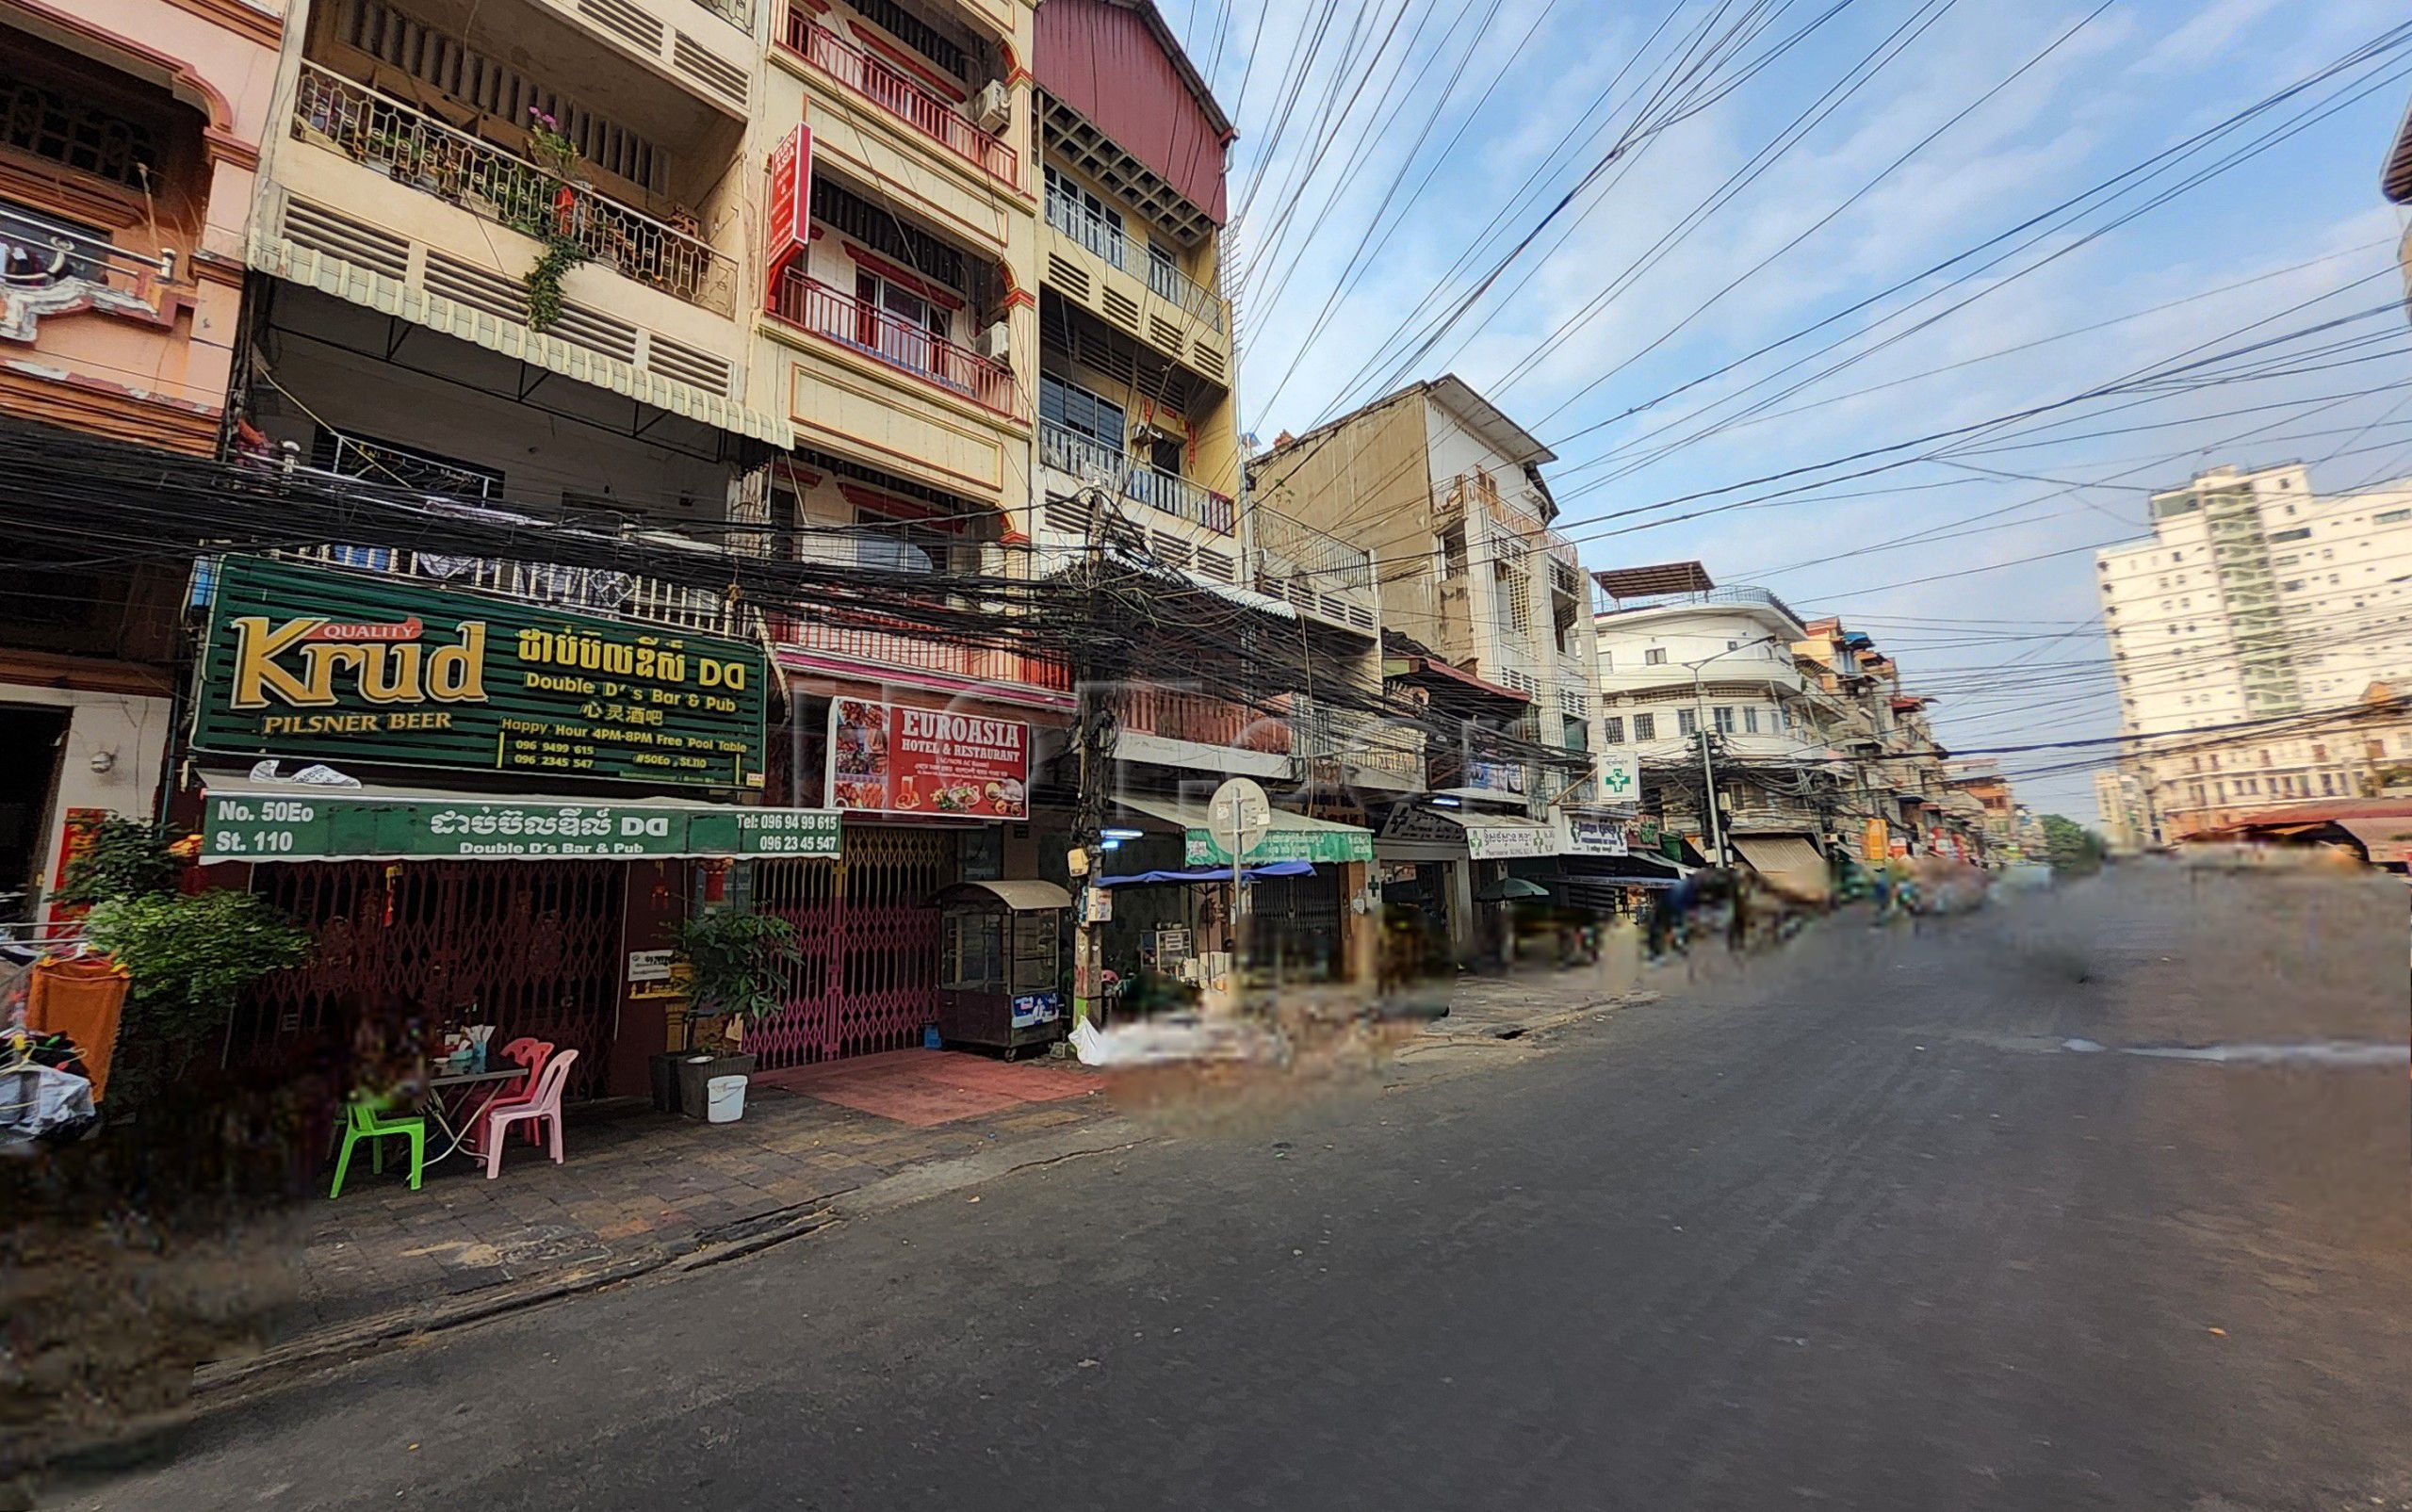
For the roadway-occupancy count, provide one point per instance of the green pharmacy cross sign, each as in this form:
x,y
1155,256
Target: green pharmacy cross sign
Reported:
x,y
307,662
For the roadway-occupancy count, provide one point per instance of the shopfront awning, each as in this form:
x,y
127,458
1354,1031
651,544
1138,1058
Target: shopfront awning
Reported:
x,y
1292,837
1209,874
2387,840
1788,863
262,821
1025,896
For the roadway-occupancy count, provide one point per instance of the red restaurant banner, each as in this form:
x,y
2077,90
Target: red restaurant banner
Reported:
x,y
895,759
790,200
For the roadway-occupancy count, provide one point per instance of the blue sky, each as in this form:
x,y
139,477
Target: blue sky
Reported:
x,y
2010,647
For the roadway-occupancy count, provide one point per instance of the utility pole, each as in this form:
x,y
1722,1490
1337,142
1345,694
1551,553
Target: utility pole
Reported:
x,y
1700,728
1093,737
1708,800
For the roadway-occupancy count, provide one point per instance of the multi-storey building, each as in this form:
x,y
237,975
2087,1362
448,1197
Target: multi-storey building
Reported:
x,y
1895,786
1679,657
1980,780
1137,463
1487,614
132,132
2118,811
2245,634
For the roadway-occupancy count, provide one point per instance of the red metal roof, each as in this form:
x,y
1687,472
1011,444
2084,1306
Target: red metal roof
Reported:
x,y
1117,65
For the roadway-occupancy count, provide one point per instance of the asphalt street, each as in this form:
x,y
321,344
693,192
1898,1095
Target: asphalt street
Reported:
x,y
1884,1220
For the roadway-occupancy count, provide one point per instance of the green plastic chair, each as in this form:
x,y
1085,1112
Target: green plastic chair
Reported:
x,y
368,1124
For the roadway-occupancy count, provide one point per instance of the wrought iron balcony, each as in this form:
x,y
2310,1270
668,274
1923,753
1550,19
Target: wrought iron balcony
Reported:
x,y
809,304
1111,240
414,148
893,92
1068,451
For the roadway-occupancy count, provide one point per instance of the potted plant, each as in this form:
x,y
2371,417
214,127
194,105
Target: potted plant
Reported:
x,y
735,963
187,957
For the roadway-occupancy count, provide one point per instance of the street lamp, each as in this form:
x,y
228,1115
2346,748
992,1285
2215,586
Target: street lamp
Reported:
x,y
1700,730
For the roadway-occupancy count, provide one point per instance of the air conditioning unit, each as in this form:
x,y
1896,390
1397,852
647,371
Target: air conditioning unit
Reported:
x,y
993,105
997,342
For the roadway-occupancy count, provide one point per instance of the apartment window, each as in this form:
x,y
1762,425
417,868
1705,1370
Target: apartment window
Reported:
x,y
1750,721
1655,657
2327,785
2300,532
1085,218
1083,413
1724,717
2392,516
1686,724
1645,728
78,134
1612,728
1733,646
1607,661
1453,552
914,325
1511,598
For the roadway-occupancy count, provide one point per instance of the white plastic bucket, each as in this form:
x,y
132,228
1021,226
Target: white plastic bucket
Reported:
x,y
724,1099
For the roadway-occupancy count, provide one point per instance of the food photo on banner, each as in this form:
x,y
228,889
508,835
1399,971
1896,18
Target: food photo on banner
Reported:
x,y
899,758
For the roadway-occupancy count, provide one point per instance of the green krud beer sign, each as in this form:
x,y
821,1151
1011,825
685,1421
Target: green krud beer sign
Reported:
x,y
306,662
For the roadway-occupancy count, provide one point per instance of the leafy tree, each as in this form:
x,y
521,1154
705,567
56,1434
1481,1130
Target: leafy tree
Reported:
x,y
2070,846
126,858
736,963
190,957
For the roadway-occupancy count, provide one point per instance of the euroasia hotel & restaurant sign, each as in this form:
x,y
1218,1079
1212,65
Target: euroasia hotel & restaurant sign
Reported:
x,y
308,662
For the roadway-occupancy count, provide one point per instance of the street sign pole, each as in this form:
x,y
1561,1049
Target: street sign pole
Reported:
x,y
1241,807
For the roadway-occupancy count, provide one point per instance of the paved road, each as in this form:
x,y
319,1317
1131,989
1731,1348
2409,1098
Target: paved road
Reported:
x,y
1852,1228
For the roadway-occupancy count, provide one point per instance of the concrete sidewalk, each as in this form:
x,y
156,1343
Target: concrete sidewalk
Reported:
x,y
641,1191
633,1185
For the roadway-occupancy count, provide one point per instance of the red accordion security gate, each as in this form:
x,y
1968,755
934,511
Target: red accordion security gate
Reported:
x,y
868,977
535,945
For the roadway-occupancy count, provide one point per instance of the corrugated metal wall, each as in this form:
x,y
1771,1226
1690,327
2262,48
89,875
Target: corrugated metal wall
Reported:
x,y
1104,62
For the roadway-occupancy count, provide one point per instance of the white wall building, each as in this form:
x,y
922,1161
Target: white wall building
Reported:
x,y
2255,600
1677,655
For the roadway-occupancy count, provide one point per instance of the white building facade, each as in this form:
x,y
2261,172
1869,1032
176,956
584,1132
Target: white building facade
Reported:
x,y
2262,608
1673,664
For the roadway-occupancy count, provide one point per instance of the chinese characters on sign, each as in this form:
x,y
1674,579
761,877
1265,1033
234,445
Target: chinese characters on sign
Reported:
x,y
895,759
307,662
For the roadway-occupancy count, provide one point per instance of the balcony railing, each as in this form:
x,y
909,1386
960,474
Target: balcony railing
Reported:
x,y
590,590
869,639
738,13
1068,451
890,90
1363,739
1705,599
36,253
809,304
413,148
1111,240
1174,715
880,641
1331,563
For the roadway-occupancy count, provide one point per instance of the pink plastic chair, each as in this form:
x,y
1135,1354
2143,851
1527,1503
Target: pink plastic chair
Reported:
x,y
544,1102
531,1053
